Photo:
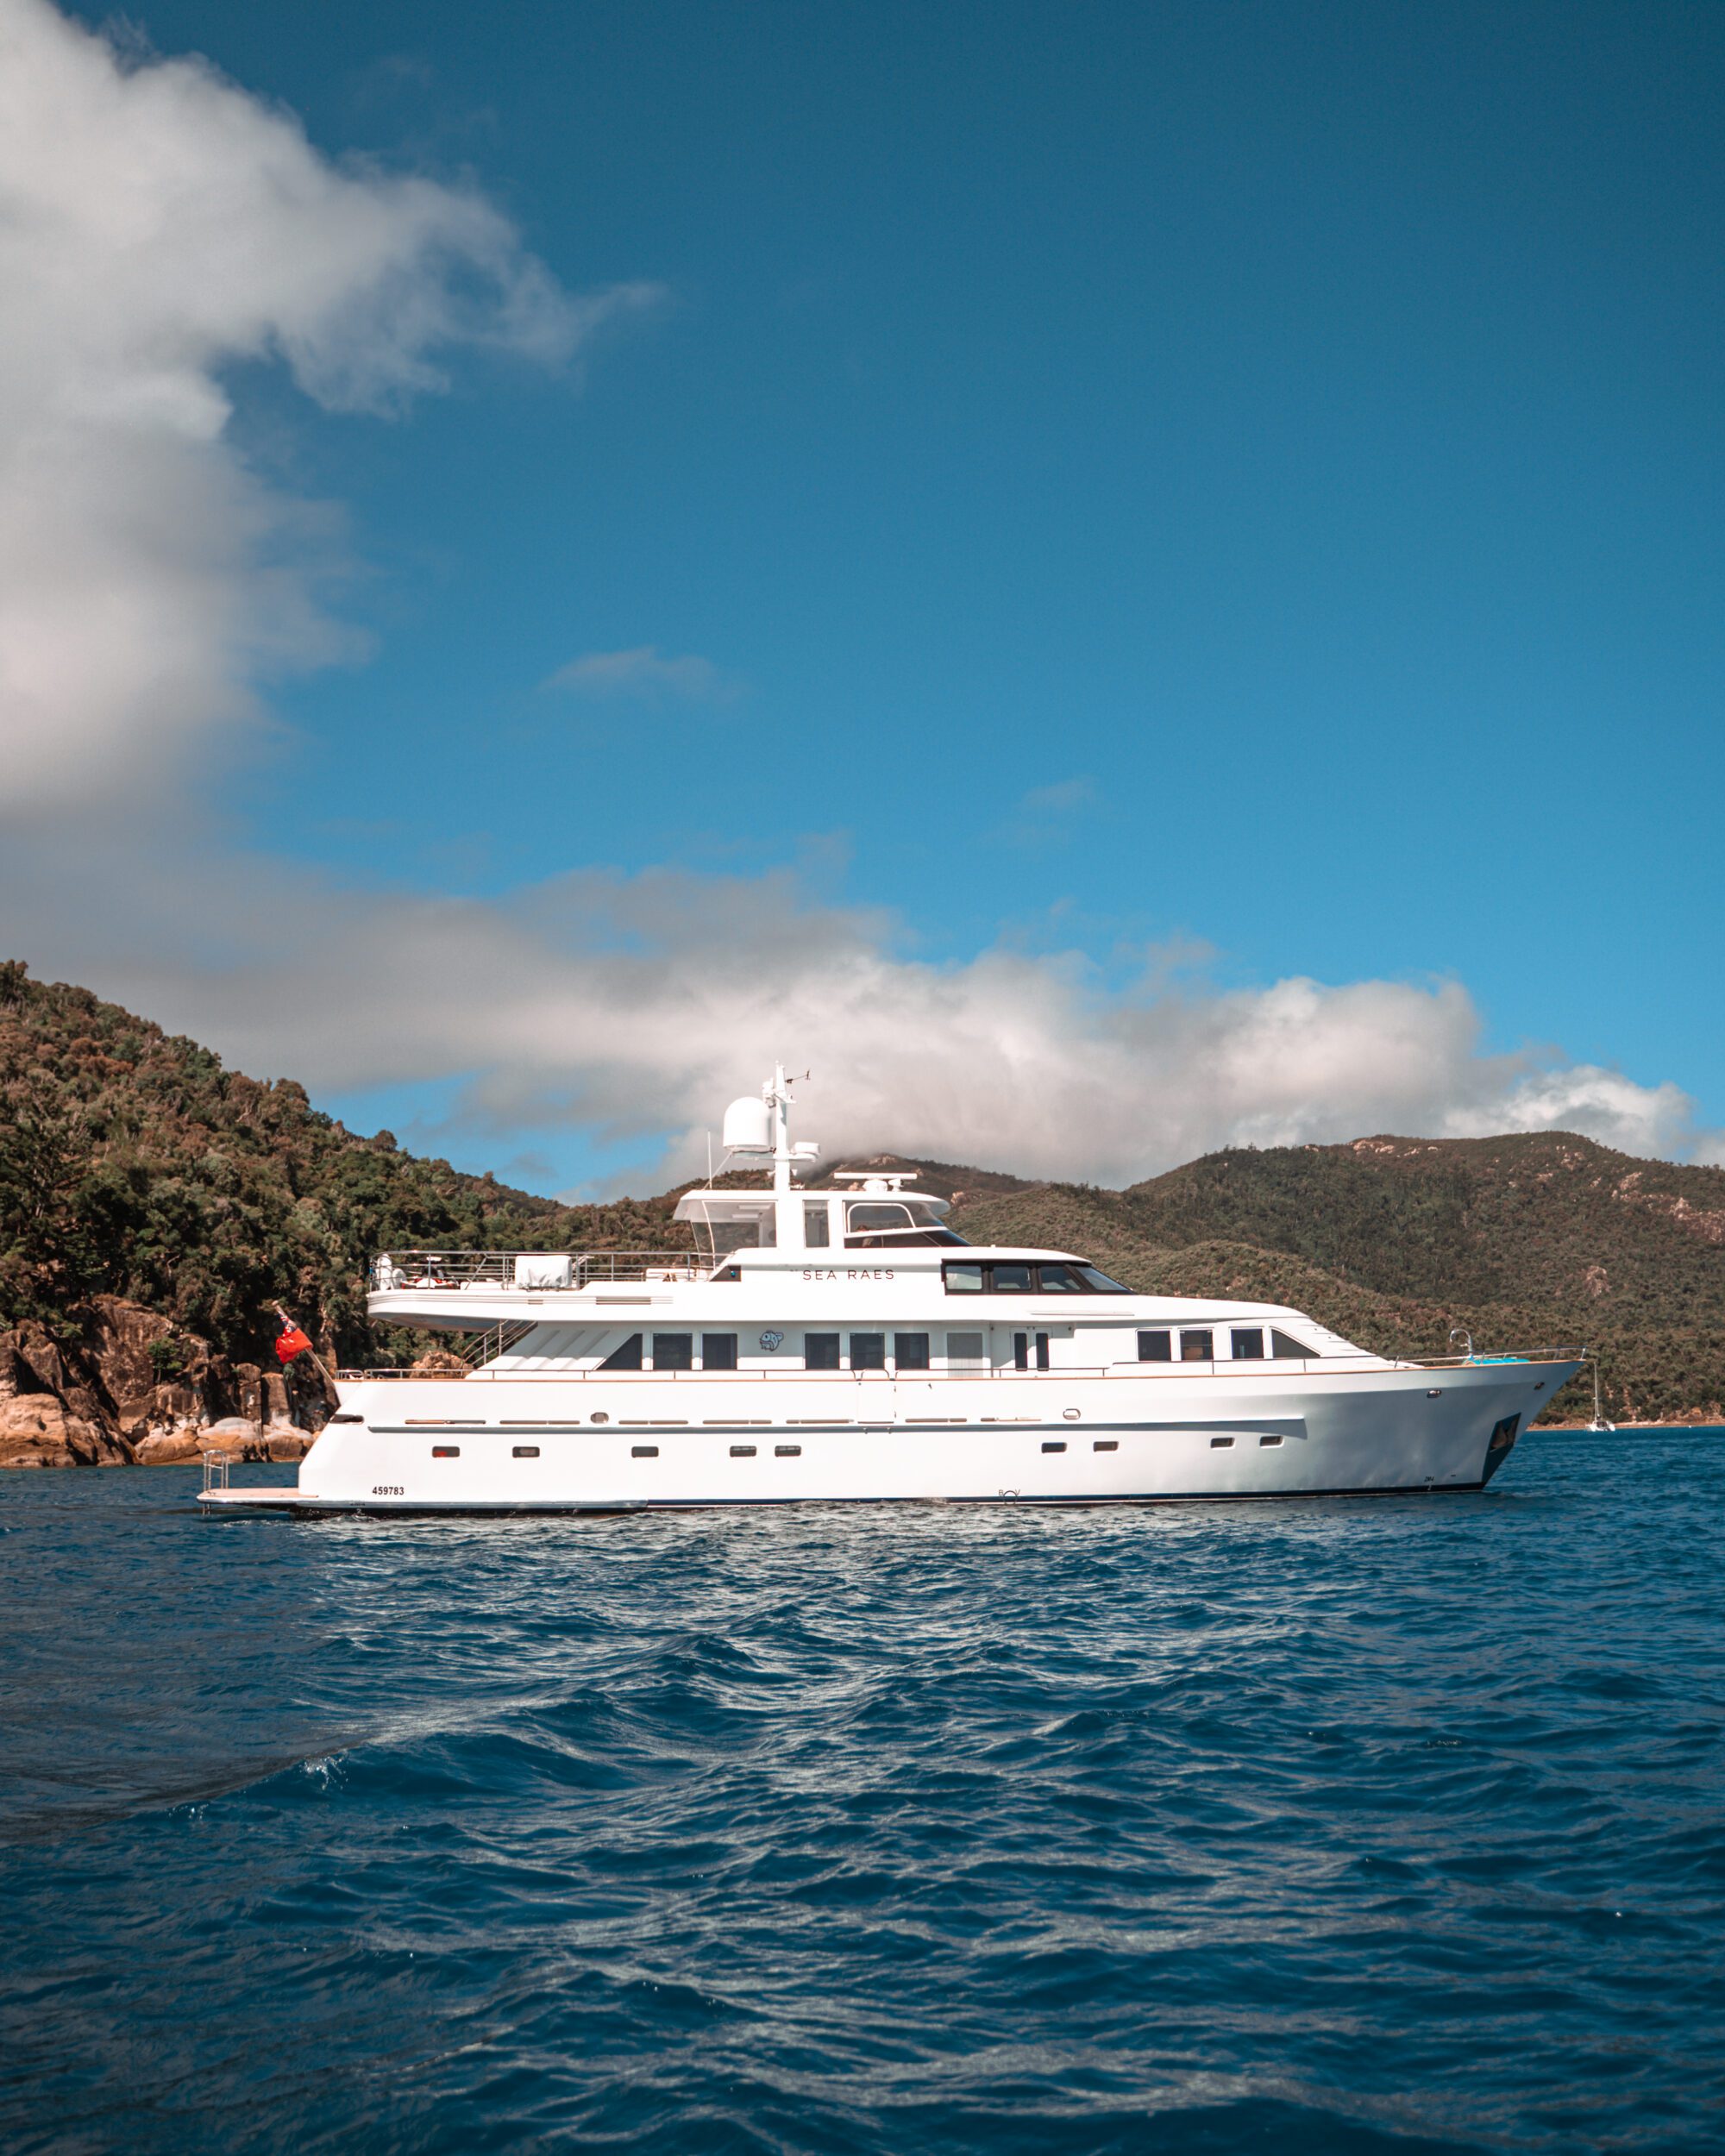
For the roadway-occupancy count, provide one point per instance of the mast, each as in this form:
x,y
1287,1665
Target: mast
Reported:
x,y
779,1100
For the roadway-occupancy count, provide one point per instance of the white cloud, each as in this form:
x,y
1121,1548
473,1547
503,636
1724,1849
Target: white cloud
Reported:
x,y
646,674
637,1006
158,225
1047,816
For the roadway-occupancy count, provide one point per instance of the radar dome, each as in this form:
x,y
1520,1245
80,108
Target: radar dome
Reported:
x,y
749,1126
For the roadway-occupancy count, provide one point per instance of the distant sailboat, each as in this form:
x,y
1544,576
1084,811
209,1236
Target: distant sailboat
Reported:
x,y
1599,1421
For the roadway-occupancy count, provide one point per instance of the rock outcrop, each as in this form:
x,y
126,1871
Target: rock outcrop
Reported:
x,y
135,1389
36,1430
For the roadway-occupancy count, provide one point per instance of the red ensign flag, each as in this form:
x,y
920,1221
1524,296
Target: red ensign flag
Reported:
x,y
291,1342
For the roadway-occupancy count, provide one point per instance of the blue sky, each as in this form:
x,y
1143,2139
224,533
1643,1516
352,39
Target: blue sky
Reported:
x,y
1239,479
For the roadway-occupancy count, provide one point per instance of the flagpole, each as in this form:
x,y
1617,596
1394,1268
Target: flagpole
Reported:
x,y
308,1348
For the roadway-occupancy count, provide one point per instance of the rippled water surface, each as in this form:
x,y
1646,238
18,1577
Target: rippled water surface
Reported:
x,y
1342,1826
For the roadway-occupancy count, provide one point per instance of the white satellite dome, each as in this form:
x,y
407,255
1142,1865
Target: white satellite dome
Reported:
x,y
748,1125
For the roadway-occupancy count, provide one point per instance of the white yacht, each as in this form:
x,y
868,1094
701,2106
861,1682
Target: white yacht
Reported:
x,y
843,1343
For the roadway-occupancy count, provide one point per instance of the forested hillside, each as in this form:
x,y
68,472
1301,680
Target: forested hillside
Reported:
x,y
136,1170
1523,1240
132,1163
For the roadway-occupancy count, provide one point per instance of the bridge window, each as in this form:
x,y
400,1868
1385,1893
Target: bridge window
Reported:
x,y
1197,1347
674,1350
626,1356
718,1351
820,1350
861,1217
910,1351
1284,1347
868,1350
1011,1277
1157,1345
1248,1343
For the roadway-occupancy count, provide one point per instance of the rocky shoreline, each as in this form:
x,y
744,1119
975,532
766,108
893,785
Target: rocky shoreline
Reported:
x,y
134,1390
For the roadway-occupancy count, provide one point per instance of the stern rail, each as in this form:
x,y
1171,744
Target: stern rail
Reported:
x,y
530,1271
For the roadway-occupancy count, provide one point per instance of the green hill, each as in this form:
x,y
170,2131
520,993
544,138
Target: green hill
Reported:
x,y
136,1170
133,1165
1523,1240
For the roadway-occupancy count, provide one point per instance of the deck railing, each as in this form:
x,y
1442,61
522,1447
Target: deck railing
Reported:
x,y
1282,1366
530,1271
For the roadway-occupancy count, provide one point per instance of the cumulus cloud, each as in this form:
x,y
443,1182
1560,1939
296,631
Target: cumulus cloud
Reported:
x,y
156,226
646,674
636,1007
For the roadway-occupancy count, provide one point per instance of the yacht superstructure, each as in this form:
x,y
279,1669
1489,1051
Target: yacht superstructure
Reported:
x,y
842,1343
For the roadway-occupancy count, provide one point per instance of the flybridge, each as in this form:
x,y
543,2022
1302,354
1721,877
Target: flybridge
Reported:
x,y
878,1214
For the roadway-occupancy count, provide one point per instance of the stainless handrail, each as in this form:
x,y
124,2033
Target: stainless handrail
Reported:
x,y
438,1269
1282,1366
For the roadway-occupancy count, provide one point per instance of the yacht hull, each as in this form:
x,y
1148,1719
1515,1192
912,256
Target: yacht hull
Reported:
x,y
491,1446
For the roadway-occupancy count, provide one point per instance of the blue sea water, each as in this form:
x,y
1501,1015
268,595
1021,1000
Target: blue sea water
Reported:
x,y
1344,1825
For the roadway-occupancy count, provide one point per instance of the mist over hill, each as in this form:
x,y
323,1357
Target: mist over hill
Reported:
x,y
137,1172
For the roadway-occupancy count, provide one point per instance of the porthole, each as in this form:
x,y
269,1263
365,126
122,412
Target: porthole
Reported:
x,y
1220,1444
1054,1445
742,1452
1269,1439
1070,1413
446,1452
787,1451
1436,1393
601,1416
644,1451
1105,1444
524,1452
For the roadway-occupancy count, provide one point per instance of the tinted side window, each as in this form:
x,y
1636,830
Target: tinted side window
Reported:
x,y
868,1350
1282,1346
910,1351
1155,1346
627,1357
1248,1343
718,1351
962,1280
674,1350
877,1216
1058,1280
820,1350
1196,1347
